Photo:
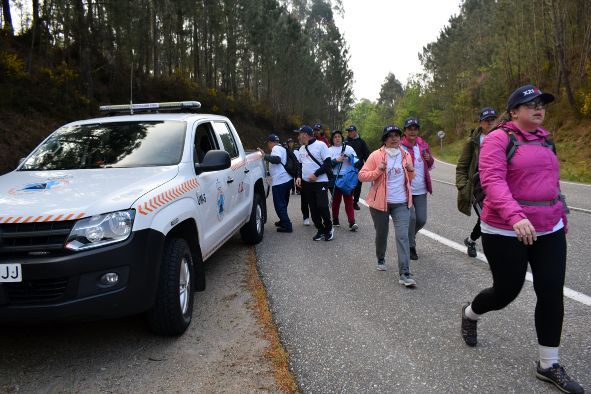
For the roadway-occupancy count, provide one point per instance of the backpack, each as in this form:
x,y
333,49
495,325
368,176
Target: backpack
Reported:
x,y
291,163
514,143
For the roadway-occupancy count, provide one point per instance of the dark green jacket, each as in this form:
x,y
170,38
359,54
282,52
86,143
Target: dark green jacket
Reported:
x,y
465,170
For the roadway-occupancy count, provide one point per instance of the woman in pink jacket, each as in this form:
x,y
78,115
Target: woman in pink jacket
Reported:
x,y
523,221
390,170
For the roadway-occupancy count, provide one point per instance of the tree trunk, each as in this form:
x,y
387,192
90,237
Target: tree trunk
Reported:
x,y
558,26
35,33
7,28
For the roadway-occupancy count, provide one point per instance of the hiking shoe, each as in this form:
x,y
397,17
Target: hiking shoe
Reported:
x,y
329,235
381,265
353,227
406,280
413,254
319,236
559,378
471,247
356,206
469,332
306,222
335,223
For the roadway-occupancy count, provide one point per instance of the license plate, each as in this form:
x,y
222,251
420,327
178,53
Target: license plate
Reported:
x,y
10,273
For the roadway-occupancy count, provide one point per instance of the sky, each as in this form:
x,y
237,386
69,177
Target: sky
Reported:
x,y
387,35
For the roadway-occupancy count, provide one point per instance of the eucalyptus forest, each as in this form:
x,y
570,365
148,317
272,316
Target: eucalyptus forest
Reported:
x,y
273,64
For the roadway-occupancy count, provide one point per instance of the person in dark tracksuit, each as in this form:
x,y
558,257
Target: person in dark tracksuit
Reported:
x,y
313,179
360,147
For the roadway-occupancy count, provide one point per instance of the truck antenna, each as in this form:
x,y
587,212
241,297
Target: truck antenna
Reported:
x,y
131,84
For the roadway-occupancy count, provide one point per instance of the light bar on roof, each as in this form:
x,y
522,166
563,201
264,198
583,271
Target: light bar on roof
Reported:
x,y
168,106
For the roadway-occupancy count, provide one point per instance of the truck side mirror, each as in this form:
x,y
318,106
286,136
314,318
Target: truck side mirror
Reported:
x,y
214,160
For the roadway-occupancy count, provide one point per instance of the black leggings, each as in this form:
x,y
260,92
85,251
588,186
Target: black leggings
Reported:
x,y
508,260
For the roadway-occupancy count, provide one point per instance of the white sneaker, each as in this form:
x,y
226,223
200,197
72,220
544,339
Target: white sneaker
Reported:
x,y
382,265
306,222
407,281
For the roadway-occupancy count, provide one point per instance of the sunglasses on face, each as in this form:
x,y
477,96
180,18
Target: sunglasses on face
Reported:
x,y
535,104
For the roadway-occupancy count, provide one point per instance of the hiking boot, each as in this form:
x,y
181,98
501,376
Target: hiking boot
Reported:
x,y
356,206
329,236
381,265
306,222
469,332
407,280
471,247
284,230
353,226
335,223
413,254
559,378
319,236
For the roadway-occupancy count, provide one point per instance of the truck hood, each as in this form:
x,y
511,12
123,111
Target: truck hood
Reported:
x,y
78,193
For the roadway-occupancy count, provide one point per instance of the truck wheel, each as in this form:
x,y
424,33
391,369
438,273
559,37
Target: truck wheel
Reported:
x,y
253,231
173,308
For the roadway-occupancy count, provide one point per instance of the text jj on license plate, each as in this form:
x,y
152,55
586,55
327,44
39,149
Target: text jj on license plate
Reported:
x,y
10,273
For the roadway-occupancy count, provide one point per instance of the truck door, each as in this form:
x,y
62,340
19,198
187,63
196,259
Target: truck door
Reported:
x,y
212,193
237,190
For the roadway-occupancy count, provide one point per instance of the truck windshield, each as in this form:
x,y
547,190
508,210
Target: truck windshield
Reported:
x,y
113,144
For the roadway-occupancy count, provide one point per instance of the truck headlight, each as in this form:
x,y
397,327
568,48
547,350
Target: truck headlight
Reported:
x,y
100,230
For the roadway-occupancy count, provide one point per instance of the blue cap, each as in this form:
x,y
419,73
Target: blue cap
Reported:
x,y
487,112
305,129
352,128
273,138
411,121
317,126
391,129
525,94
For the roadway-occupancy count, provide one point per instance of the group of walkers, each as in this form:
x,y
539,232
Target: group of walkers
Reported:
x,y
508,172
398,171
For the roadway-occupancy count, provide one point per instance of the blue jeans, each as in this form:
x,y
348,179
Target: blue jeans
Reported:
x,y
280,202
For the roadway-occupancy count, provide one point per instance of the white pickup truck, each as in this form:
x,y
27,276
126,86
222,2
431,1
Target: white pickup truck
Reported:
x,y
114,216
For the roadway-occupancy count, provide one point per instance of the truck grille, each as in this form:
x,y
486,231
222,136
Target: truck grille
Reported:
x,y
36,291
34,237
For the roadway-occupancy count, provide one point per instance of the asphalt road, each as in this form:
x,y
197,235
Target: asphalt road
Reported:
x,y
351,328
222,351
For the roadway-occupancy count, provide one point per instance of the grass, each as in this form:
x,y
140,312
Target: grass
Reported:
x,y
275,351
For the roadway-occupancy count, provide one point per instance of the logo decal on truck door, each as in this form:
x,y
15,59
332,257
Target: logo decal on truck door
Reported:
x,y
220,200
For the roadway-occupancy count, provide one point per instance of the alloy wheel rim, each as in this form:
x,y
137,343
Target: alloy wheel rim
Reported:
x,y
259,218
184,285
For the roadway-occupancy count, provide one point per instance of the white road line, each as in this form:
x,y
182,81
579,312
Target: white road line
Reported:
x,y
565,182
444,162
570,206
570,293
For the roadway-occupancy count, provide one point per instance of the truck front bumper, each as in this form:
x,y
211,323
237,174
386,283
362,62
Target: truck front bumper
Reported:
x,y
68,287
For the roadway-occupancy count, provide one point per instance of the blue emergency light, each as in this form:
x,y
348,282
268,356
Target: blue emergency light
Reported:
x,y
146,107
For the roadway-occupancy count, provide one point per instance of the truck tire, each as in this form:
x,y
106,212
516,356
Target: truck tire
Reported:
x,y
173,308
253,231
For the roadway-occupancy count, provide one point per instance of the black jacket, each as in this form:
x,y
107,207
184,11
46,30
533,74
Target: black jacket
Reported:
x,y
361,150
